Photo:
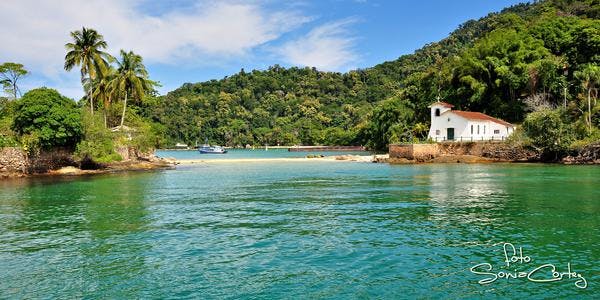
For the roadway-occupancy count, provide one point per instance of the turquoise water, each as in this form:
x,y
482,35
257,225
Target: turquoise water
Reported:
x,y
254,154
305,230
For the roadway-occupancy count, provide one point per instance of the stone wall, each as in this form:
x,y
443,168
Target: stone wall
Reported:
x,y
13,160
491,150
420,152
54,159
131,153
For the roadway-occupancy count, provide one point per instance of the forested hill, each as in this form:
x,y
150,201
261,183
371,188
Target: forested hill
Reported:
x,y
494,64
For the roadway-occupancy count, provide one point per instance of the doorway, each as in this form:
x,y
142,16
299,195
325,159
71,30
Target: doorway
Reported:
x,y
450,134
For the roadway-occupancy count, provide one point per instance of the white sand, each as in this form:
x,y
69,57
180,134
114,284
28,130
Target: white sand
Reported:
x,y
339,158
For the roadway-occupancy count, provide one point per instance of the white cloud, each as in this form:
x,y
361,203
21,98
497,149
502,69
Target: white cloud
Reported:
x,y
34,32
327,47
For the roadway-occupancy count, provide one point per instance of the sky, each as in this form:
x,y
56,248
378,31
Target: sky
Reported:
x,y
197,40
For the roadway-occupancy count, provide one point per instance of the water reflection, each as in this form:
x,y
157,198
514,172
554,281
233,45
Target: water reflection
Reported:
x,y
294,230
472,194
88,231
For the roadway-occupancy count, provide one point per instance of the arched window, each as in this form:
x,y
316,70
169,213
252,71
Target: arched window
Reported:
x,y
471,129
437,112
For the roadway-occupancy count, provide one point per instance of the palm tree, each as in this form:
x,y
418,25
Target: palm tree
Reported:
x,y
86,51
131,78
103,90
590,79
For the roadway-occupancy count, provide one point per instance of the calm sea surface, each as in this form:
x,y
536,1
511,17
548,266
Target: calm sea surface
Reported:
x,y
301,230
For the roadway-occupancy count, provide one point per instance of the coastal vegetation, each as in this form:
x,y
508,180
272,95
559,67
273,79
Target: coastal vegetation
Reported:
x,y
535,64
546,53
86,51
10,74
43,119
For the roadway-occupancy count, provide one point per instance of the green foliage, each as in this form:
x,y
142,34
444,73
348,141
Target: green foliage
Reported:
x,y
8,141
131,79
48,117
391,122
550,131
86,51
592,138
590,80
10,74
276,106
488,65
97,144
7,135
144,138
519,138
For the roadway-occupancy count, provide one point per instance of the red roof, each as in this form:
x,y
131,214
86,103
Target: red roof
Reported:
x,y
471,115
444,104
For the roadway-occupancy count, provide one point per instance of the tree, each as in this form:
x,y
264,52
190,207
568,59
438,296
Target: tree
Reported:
x,y
549,131
390,122
52,119
131,78
590,80
10,73
86,51
103,90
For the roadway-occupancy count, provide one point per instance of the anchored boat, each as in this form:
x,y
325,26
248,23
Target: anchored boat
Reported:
x,y
208,149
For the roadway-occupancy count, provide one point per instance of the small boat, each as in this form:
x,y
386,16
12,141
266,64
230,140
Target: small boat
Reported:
x,y
208,149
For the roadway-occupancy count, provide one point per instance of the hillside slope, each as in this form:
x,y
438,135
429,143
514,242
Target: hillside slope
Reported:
x,y
490,65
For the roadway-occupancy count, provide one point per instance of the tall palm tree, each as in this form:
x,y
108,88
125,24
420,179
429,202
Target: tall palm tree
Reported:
x,y
86,51
131,78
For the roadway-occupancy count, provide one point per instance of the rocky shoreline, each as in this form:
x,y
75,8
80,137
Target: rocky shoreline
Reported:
x,y
129,166
15,163
588,155
471,152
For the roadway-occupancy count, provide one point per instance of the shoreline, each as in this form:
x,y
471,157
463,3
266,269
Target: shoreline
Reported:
x,y
336,158
161,163
119,167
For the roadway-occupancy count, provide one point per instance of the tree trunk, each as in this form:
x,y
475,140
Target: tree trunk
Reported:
x,y
590,109
15,89
124,107
90,96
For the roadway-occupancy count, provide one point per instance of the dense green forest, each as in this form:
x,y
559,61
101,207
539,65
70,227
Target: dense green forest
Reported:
x,y
534,64
497,65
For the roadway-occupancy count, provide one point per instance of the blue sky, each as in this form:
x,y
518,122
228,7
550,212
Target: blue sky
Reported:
x,y
197,40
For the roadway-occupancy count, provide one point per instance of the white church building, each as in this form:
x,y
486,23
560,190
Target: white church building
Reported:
x,y
457,125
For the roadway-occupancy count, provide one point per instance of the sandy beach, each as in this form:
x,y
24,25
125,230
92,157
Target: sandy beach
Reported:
x,y
338,158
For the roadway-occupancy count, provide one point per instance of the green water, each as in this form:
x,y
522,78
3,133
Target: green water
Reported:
x,y
299,230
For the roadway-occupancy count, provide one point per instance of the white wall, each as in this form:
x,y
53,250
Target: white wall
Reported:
x,y
462,127
484,130
446,120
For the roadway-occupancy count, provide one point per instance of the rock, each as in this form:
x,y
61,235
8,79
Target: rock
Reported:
x,y
67,171
589,154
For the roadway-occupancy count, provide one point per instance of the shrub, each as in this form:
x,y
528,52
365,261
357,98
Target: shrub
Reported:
x,y
389,123
142,135
549,131
97,144
591,138
519,138
7,141
51,118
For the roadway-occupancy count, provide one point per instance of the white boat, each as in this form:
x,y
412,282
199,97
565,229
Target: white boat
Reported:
x,y
208,149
